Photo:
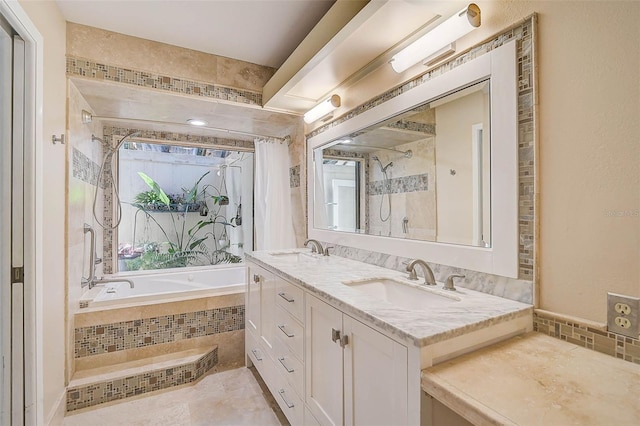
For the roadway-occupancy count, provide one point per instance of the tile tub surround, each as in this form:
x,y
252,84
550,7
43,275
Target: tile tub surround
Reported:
x,y
95,393
524,33
587,335
323,277
119,336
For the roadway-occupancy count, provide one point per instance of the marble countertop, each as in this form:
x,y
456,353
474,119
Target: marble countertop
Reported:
x,y
324,276
535,379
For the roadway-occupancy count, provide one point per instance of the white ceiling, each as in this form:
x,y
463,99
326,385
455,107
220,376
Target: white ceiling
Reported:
x,y
263,32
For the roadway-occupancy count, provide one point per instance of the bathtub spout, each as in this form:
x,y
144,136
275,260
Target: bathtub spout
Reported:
x,y
104,280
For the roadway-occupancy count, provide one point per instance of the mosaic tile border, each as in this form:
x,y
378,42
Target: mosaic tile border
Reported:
x,y
616,345
294,176
524,35
400,185
125,387
85,169
86,68
109,132
119,336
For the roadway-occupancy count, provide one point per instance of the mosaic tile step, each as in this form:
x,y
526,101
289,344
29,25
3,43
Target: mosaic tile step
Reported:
x,y
104,384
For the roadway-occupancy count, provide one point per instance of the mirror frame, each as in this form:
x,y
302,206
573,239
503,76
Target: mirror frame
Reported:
x,y
499,66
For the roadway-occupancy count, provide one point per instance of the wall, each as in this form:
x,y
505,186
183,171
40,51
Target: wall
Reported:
x,y
588,60
51,25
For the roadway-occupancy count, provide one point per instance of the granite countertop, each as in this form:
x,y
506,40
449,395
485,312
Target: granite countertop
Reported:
x,y
535,379
323,276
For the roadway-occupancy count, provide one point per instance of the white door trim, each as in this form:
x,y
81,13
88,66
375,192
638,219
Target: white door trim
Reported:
x,y
33,217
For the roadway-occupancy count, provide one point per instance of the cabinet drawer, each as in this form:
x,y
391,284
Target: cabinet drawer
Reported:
x,y
289,366
291,298
289,401
290,332
260,358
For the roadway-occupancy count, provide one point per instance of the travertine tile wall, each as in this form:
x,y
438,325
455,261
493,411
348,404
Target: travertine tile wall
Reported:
x,y
522,288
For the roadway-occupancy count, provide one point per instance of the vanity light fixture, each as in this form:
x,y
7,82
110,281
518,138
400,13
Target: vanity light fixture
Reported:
x,y
322,109
438,42
196,122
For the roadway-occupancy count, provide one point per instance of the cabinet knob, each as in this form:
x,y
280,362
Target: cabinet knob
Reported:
x,y
344,341
335,335
256,278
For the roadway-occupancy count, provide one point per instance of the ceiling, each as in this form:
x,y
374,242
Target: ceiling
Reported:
x,y
318,46
263,32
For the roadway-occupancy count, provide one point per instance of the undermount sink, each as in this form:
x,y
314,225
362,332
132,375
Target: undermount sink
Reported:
x,y
293,256
402,295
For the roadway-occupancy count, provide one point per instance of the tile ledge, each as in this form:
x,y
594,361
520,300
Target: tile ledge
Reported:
x,y
592,324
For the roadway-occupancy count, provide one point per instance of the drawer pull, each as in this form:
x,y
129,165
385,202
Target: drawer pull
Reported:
x,y
344,341
335,335
289,404
284,296
289,370
256,278
256,354
281,327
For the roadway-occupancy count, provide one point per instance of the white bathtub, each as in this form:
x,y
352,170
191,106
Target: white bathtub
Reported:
x,y
163,285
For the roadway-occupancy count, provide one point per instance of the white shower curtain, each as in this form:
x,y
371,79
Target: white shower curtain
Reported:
x,y
273,217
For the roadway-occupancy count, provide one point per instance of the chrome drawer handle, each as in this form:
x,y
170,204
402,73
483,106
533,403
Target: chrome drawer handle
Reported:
x,y
281,327
289,404
284,296
289,370
255,353
335,335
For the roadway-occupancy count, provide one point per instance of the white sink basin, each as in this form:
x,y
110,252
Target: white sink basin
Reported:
x,y
293,256
402,295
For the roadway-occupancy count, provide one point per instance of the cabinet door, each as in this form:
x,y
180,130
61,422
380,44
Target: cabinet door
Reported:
x,y
375,377
252,299
323,362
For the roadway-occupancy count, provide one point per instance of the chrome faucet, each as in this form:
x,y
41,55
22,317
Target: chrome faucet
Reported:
x,y
316,246
103,280
429,279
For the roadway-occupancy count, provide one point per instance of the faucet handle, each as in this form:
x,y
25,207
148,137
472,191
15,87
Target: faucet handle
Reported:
x,y
448,285
413,276
326,250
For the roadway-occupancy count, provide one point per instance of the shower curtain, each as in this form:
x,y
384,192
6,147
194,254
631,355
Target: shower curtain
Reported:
x,y
273,217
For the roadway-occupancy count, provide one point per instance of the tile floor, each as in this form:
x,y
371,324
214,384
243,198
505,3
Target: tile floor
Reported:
x,y
234,397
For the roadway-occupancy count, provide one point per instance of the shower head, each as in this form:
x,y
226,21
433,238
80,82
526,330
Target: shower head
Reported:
x,y
128,135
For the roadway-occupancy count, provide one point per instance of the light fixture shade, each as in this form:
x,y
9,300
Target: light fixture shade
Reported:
x,y
322,109
444,34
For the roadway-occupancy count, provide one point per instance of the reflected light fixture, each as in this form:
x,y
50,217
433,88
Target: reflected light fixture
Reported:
x,y
322,109
439,41
196,122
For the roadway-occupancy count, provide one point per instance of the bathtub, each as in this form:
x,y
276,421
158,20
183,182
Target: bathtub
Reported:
x,y
183,283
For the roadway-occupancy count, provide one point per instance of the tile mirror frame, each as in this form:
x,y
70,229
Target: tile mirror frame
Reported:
x,y
498,66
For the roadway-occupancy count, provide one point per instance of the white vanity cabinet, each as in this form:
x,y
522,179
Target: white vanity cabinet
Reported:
x,y
354,374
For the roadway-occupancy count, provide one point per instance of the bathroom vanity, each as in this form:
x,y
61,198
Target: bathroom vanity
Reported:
x,y
343,342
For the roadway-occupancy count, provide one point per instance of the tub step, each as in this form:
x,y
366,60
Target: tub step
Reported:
x,y
104,384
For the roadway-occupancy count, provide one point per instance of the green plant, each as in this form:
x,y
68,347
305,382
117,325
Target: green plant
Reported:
x,y
184,246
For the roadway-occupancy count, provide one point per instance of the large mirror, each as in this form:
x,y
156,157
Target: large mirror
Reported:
x,y
423,174
431,173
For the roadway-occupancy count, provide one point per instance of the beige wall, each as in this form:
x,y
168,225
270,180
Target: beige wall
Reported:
x,y
589,107
51,25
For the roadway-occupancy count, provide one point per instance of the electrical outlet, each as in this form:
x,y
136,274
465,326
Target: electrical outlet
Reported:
x,y
623,322
623,314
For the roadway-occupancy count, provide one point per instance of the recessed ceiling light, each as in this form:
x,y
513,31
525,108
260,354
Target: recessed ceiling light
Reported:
x,y
196,122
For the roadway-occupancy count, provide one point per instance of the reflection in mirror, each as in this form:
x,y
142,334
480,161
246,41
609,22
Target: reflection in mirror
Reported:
x,y
422,175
